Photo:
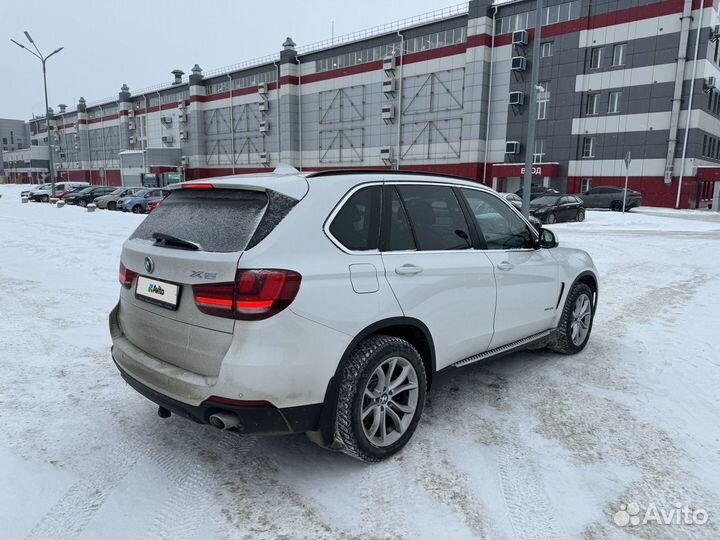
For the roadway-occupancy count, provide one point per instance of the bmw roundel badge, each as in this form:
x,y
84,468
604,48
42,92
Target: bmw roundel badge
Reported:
x,y
149,265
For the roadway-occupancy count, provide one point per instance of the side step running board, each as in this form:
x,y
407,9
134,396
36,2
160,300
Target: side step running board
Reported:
x,y
503,349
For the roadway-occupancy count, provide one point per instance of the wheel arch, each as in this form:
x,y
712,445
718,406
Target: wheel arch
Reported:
x,y
408,328
590,279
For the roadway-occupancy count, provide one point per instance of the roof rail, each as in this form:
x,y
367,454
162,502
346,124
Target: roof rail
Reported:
x,y
339,172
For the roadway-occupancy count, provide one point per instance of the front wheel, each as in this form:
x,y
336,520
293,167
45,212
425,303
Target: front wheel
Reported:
x,y
82,202
111,205
573,332
550,218
381,398
137,209
580,215
45,198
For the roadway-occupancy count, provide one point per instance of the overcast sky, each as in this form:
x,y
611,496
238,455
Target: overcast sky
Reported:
x,y
108,43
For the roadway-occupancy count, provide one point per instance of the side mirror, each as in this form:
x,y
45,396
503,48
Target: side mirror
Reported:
x,y
548,240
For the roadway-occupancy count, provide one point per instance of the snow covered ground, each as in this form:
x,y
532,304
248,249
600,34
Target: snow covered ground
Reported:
x,y
534,445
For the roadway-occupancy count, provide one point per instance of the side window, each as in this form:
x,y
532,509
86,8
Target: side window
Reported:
x,y
564,200
357,224
399,235
501,226
437,218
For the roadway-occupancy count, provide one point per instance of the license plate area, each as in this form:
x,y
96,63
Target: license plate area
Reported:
x,y
160,293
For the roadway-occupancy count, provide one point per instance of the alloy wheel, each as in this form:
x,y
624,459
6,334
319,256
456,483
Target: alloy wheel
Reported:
x,y
581,318
390,400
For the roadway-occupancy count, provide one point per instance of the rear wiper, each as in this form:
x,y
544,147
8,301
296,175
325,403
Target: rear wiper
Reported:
x,y
167,240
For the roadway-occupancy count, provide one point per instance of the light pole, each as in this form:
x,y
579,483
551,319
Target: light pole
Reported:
x,y
43,59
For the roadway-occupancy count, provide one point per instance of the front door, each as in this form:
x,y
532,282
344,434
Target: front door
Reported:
x,y
527,278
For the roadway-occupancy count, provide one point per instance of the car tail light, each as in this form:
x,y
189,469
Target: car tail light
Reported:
x,y
255,294
127,276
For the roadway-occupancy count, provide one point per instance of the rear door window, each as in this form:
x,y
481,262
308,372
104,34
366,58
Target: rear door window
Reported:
x,y
222,220
357,225
436,217
399,236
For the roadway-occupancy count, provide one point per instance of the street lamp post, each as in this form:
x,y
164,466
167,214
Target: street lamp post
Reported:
x,y
44,60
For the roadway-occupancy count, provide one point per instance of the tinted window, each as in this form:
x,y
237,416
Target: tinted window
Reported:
x,y
500,225
357,224
436,217
564,200
399,233
215,219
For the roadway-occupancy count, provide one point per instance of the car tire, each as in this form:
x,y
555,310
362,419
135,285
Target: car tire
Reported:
x,y
366,387
616,206
137,209
111,206
573,331
45,198
550,218
580,216
82,202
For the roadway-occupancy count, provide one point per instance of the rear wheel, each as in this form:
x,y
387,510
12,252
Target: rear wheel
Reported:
x,y
580,216
550,218
137,209
111,205
82,202
45,198
616,206
573,332
382,395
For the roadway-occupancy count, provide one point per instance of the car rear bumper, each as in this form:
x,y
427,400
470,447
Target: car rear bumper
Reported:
x,y
264,419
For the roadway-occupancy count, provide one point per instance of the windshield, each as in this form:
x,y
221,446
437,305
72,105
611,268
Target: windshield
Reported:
x,y
138,193
118,191
545,200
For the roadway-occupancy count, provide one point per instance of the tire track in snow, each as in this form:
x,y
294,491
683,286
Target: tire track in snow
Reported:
x,y
190,504
384,512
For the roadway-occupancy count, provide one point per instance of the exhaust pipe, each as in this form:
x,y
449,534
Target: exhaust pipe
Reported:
x,y
224,420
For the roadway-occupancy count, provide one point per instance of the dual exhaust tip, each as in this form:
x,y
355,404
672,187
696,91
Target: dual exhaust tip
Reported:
x,y
221,420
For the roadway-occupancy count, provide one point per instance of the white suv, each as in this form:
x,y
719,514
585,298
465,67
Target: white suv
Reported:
x,y
324,303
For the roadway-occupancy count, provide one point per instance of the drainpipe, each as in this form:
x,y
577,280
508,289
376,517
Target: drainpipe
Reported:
x,y
677,93
102,135
489,101
232,123
147,134
277,107
400,97
297,59
690,103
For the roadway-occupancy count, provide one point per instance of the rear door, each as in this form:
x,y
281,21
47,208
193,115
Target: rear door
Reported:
x,y
527,278
568,208
435,272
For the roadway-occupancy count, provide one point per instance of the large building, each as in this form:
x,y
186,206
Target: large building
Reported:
x,y
447,92
14,135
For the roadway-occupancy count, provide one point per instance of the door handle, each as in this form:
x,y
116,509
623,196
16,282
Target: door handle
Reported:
x,y
505,266
408,270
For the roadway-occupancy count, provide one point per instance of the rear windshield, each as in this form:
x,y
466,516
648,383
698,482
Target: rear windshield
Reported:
x,y
222,220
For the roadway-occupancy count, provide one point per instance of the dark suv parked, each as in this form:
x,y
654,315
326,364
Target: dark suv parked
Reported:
x,y
611,197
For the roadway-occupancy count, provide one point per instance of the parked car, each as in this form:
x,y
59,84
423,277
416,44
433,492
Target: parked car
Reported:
x,y
514,199
110,201
152,205
137,202
538,191
552,208
44,194
35,187
70,191
611,197
325,303
87,195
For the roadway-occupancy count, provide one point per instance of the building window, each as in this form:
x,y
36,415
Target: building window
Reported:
x,y
619,54
711,153
591,104
546,49
588,147
704,146
596,57
539,153
543,99
614,102
585,184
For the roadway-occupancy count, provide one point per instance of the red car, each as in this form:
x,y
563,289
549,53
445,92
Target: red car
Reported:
x,y
152,205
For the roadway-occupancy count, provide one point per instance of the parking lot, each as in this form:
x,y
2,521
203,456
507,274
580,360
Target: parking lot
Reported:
x,y
533,445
